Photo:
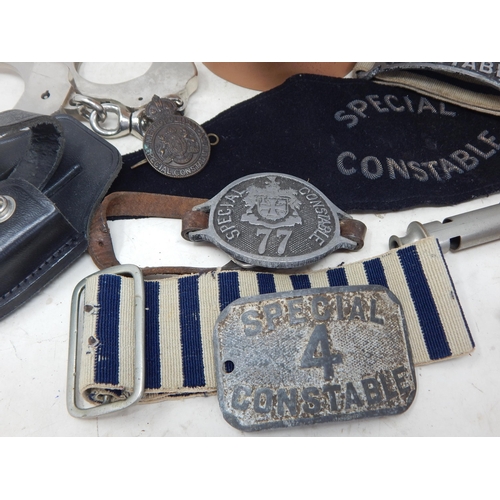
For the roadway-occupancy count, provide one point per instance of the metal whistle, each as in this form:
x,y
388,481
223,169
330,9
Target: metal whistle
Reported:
x,y
456,233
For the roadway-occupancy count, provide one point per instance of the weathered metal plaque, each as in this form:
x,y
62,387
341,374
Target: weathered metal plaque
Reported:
x,y
273,220
309,356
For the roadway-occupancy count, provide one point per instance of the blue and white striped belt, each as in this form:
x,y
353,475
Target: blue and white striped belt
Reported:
x,y
107,345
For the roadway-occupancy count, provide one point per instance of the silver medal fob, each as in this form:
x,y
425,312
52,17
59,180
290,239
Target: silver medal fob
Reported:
x,y
174,145
273,220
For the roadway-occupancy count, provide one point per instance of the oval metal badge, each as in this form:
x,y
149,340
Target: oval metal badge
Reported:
x,y
273,220
310,356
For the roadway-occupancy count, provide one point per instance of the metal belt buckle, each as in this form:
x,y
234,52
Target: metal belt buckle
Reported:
x,y
310,356
74,347
273,220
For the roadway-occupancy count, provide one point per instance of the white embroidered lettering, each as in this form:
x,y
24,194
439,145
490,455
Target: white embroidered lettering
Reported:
x,y
443,110
340,116
488,140
430,166
340,163
425,104
448,167
358,107
418,173
388,100
365,167
458,162
487,155
393,167
374,101
465,160
409,103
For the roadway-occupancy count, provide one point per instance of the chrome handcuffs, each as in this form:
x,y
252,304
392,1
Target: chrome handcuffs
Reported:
x,y
178,147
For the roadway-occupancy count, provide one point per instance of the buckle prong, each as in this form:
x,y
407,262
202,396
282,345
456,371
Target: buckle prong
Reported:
x,y
75,343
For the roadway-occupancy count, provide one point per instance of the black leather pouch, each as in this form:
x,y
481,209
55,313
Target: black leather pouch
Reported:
x,y
53,173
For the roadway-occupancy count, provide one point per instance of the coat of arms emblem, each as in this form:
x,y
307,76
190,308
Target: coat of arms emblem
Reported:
x,y
271,206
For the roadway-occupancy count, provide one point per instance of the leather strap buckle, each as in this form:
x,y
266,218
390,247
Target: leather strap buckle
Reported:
x,y
75,345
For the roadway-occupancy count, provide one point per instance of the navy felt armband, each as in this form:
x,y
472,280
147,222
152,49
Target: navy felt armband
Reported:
x,y
369,147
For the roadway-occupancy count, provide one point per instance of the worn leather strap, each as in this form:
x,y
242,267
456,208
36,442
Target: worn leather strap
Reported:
x,y
125,204
351,229
134,204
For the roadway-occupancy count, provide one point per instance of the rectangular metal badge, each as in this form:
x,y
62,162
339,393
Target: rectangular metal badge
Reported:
x,y
310,356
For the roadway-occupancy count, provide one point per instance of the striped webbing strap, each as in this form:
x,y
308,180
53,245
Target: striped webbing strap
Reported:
x,y
181,313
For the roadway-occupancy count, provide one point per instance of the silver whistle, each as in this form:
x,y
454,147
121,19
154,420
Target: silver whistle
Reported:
x,y
456,233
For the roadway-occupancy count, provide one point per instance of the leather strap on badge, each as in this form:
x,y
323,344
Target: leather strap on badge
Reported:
x,y
181,314
135,205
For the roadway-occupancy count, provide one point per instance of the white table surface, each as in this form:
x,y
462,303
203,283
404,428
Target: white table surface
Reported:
x,y
459,397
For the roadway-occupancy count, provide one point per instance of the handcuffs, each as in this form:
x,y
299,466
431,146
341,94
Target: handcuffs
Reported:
x,y
149,107
59,87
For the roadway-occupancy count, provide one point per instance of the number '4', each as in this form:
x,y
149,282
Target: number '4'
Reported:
x,y
319,338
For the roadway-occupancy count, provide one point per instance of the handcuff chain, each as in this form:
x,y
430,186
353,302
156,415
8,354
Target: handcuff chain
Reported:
x,y
86,105
122,126
97,113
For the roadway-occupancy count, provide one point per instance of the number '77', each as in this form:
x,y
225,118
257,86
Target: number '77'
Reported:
x,y
280,233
